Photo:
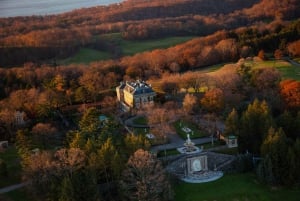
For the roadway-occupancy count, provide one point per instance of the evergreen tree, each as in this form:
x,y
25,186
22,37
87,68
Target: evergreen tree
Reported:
x,y
275,147
77,141
232,123
90,123
67,191
135,142
24,146
255,122
289,124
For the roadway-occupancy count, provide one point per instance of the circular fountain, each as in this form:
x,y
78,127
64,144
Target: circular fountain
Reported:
x,y
189,147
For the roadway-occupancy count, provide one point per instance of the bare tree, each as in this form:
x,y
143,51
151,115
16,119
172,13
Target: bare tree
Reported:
x,y
144,178
43,132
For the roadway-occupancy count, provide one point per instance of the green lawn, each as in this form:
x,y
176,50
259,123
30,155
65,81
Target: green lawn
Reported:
x,y
127,47
131,47
234,187
86,55
178,125
209,145
168,152
230,151
10,156
288,70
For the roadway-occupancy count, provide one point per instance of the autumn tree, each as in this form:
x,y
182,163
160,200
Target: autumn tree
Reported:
x,y
294,48
261,55
7,119
213,100
144,178
290,93
43,133
189,103
278,54
265,82
229,82
92,82
24,146
46,172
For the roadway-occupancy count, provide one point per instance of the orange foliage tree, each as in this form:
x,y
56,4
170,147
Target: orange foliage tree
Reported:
x,y
290,92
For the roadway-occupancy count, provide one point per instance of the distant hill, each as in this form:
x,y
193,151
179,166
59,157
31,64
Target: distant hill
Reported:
x,y
39,38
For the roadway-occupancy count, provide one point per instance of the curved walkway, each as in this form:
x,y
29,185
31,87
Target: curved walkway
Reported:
x,y
175,141
12,187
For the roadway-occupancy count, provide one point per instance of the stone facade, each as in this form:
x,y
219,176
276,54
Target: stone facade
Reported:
x,y
134,94
197,164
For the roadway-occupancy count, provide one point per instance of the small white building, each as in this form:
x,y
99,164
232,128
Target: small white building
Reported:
x,y
134,94
19,118
231,140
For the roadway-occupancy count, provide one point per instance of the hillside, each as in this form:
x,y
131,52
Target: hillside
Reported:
x,y
40,38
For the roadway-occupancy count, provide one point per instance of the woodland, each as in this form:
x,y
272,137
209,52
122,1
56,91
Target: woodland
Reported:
x,y
62,102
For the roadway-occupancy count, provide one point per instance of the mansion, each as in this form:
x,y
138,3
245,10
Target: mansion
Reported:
x,y
134,94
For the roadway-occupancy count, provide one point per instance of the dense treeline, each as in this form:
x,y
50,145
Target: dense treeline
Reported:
x,y
223,46
135,20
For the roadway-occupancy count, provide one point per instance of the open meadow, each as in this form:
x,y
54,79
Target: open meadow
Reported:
x,y
288,70
126,47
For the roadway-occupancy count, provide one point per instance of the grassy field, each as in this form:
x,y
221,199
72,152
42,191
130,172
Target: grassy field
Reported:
x,y
12,161
127,47
86,55
235,187
131,47
196,133
288,70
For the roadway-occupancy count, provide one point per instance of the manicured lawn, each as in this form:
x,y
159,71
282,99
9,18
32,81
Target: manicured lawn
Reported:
x,y
234,187
292,72
168,152
133,47
288,70
130,47
230,151
10,156
87,55
196,133
209,145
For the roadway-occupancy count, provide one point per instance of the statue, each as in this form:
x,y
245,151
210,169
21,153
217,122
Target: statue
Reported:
x,y
188,138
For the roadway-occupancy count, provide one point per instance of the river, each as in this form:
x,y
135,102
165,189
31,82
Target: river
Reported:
x,y
12,8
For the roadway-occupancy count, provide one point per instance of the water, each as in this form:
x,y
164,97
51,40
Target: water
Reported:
x,y
12,8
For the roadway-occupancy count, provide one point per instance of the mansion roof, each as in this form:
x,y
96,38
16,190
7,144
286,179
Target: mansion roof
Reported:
x,y
136,88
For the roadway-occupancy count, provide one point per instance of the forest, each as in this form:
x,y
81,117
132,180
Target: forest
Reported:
x,y
254,42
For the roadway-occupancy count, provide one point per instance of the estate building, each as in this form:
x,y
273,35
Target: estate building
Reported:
x,y
134,94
